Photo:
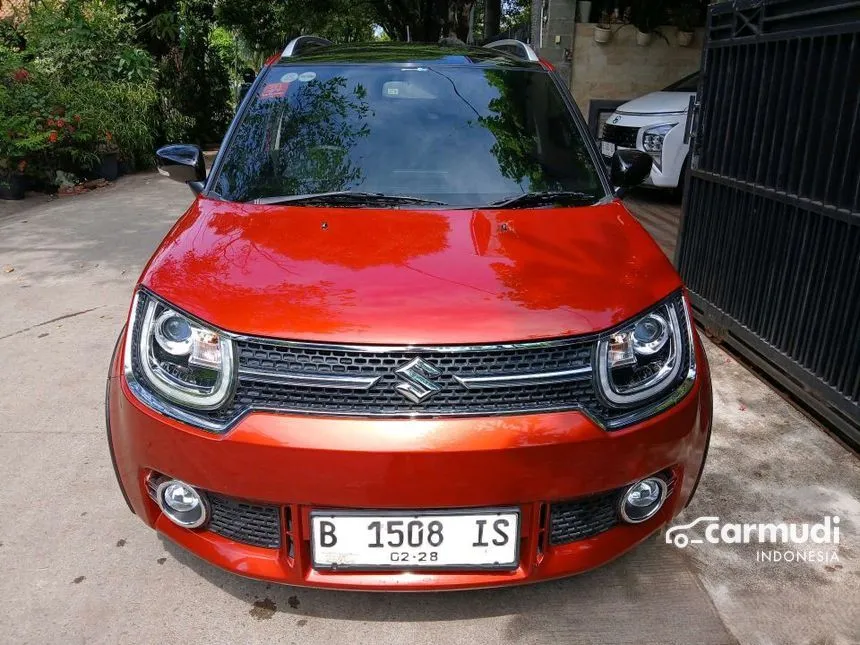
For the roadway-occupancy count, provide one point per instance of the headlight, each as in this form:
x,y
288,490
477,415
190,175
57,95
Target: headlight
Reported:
x,y
652,138
647,358
180,358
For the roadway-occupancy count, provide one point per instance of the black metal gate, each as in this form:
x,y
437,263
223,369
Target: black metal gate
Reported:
x,y
770,234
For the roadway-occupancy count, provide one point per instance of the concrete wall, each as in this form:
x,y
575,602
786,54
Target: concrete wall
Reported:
x,y
558,24
621,69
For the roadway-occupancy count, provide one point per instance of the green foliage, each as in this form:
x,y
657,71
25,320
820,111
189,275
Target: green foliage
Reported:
x,y
192,77
119,116
265,27
73,39
516,13
73,87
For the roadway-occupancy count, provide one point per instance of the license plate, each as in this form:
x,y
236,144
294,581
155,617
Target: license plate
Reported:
x,y
437,539
607,149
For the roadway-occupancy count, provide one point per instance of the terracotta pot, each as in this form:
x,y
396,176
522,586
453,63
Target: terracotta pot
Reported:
x,y
685,38
602,34
643,39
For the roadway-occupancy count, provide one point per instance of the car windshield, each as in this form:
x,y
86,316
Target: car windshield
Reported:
x,y
450,135
687,84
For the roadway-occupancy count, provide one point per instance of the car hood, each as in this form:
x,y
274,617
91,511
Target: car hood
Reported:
x,y
409,276
657,103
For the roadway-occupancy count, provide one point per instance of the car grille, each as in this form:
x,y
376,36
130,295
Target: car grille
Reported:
x,y
580,519
317,378
620,135
383,398
584,518
245,522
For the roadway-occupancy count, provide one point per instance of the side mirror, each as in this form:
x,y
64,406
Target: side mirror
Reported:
x,y
629,168
182,162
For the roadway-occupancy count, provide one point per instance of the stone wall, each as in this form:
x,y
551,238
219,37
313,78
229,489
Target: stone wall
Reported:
x,y
621,69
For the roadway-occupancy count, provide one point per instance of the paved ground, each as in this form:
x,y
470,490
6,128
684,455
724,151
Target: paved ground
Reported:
x,y
659,211
78,568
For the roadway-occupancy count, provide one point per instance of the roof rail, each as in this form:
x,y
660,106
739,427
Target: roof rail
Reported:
x,y
297,45
514,47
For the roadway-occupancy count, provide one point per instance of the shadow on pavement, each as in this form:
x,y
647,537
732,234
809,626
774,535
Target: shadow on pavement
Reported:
x,y
646,596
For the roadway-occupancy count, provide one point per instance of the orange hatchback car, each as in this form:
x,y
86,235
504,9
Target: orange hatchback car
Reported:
x,y
407,336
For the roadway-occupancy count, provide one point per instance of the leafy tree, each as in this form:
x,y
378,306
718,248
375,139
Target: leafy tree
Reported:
x,y
192,81
423,20
78,39
266,27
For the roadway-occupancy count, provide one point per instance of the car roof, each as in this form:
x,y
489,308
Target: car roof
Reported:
x,y
387,53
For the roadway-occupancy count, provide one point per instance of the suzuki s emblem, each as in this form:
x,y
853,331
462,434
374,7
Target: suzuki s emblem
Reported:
x,y
416,382
616,119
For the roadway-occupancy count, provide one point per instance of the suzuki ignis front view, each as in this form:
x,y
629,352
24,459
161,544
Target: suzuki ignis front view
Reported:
x,y
407,336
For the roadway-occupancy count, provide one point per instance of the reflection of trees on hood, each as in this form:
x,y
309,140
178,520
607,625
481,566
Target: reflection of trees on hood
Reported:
x,y
319,127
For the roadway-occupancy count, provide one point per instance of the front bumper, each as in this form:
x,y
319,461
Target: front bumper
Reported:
x,y
299,463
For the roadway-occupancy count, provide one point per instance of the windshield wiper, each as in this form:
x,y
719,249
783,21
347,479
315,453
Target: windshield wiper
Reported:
x,y
548,198
347,198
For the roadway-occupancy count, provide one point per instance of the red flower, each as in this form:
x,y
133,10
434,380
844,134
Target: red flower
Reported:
x,y
77,118
51,123
21,75
71,129
53,136
61,123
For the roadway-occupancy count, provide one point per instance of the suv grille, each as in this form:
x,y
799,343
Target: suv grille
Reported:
x,y
383,398
620,135
408,382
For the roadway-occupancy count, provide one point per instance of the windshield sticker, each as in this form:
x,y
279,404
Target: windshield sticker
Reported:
x,y
274,90
307,76
289,78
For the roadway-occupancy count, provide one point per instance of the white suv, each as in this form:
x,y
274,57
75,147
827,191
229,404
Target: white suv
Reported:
x,y
655,123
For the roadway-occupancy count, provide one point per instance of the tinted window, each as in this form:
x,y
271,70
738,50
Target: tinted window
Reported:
x,y
460,135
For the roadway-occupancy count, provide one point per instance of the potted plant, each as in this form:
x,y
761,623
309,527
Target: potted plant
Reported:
x,y
647,16
583,10
108,153
12,180
685,16
603,29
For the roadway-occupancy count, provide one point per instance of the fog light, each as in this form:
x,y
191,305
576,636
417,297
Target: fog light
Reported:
x,y
643,499
182,504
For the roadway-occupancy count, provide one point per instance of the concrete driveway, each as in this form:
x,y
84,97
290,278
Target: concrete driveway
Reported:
x,y
79,568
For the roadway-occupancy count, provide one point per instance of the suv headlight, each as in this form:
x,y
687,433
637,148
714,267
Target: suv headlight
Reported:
x,y
648,358
179,358
652,138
